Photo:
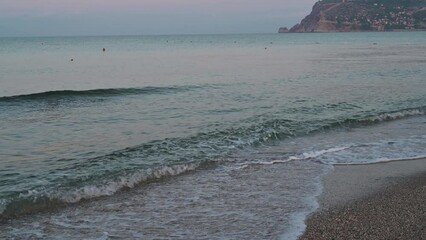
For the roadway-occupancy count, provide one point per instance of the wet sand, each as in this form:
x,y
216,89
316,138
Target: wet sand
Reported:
x,y
376,201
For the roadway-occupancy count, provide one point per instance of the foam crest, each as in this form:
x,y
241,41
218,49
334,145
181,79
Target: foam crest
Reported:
x,y
3,204
34,200
108,189
397,115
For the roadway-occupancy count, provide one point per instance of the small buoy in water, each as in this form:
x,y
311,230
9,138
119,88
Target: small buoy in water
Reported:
x,y
72,59
266,48
103,49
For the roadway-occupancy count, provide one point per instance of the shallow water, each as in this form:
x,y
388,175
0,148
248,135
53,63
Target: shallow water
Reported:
x,y
221,136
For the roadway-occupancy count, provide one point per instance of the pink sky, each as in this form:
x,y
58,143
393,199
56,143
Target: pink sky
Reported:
x,y
70,17
36,7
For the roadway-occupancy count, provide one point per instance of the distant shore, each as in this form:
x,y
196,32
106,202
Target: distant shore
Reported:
x,y
375,201
390,30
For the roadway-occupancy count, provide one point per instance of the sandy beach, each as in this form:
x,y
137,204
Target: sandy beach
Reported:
x,y
375,201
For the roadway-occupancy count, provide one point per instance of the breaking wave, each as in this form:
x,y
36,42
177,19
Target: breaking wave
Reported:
x,y
373,119
397,115
35,201
127,168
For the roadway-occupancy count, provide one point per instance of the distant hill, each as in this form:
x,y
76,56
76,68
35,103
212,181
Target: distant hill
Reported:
x,y
364,15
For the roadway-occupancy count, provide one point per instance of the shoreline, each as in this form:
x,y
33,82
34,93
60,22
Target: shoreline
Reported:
x,y
374,201
385,31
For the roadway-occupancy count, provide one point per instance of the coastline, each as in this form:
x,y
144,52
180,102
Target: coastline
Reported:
x,y
363,31
373,201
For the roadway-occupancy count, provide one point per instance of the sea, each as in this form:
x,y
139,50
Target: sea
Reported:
x,y
197,136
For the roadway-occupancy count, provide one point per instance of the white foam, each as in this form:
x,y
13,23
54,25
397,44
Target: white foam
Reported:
x,y
108,189
397,115
298,226
30,193
297,222
303,156
273,162
315,154
3,203
384,160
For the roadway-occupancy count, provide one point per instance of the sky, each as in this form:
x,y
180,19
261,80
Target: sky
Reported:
x,y
147,17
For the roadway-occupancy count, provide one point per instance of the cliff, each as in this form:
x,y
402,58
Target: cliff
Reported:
x,y
364,15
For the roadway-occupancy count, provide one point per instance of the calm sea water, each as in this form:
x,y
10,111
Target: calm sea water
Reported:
x,y
196,137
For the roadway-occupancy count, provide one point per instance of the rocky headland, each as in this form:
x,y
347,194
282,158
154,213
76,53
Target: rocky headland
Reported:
x,y
364,15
